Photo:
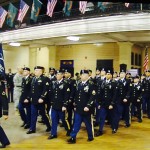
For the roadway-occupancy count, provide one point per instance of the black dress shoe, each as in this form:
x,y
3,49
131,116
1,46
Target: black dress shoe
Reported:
x,y
72,141
52,137
48,130
23,124
89,140
99,133
26,126
127,125
2,146
114,131
30,132
68,133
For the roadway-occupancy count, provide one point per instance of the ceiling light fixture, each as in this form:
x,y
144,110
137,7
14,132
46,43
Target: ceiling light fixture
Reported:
x,y
14,44
97,44
73,38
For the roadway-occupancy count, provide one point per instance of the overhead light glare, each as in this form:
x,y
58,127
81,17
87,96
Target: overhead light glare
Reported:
x,y
73,38
14,44
97,44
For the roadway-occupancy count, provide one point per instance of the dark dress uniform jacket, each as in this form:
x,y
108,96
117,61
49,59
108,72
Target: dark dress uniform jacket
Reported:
x,y
60,94
85,97
39,89
146,87
3,100
9,78
122,91
107,93
26,87
135,93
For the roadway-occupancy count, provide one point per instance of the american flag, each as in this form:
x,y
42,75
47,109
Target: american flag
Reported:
x,y
146,60
127,4
50,7
3,14
22,11
82,6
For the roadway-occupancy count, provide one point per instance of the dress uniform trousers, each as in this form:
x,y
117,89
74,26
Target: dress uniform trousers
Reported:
x,y
55,116
77,125
146,99
119,109
25,112
34,114
3,137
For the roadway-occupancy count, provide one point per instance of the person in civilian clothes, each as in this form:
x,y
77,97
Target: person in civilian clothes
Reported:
x,y
59,101
3,112
136,96
39,90
122,102
9,78
146,91
83,105
106,101
24,103
99,82
72,85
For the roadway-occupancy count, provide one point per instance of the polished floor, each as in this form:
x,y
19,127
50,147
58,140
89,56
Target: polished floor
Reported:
x,y
137,137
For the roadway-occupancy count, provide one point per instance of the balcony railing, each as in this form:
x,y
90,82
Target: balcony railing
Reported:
x,y
110,10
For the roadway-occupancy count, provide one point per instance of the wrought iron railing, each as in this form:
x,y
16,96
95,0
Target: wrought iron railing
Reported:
x,y
110,10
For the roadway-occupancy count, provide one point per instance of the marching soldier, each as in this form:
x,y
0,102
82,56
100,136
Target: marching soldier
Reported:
x,y
60,96
24,103
39,90
3,112
84,101
122,102
136,97
106,101
146,91
72,85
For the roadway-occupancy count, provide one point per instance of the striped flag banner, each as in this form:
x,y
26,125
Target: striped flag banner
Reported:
x,y
50,7
82,6
3,14
146,60
22,11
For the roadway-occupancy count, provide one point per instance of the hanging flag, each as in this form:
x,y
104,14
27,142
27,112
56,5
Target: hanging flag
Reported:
x,y
146,60
127,4
82,6
12,12
22,11
3,14
102,5
50,7
36,7
67,7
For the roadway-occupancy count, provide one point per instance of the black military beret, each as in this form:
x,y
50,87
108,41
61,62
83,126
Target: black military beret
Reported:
x,y
128,73
84,72
103,69
98,69
147,71
38,67
26,68
108,71
137,77
67,70
60,71
122,71
51,68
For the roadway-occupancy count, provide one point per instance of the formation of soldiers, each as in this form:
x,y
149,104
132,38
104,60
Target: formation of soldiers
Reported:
x,y
108,96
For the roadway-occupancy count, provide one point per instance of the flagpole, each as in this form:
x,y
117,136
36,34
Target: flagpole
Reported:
x,y
141,6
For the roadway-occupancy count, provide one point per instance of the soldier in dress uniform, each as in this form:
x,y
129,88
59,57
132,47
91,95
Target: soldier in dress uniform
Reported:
x,y
83,105
24,103
9,78
115,76
60,97
72,86
52,75
39,90
106,101
99,82
3,112
146,91
122,102
136,96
